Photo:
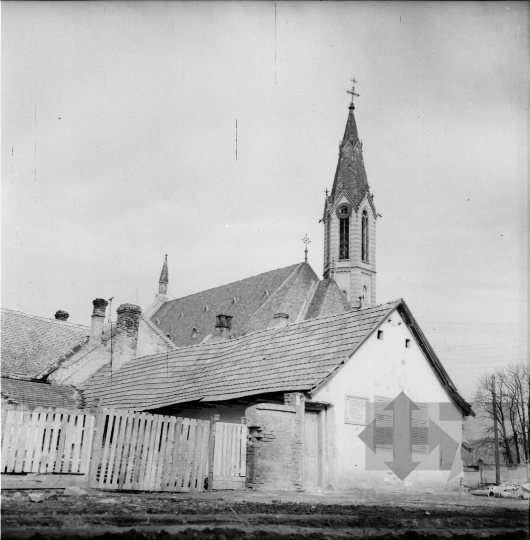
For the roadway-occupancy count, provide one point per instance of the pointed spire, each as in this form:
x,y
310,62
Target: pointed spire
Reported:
x,y
350,175
164,278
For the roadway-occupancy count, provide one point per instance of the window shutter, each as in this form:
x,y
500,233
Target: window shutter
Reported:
x,y
420,428
383,423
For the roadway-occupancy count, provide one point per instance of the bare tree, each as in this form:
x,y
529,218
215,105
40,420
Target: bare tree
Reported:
x,y
513,411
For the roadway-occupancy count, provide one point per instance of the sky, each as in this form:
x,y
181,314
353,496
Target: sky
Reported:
x,y
119,145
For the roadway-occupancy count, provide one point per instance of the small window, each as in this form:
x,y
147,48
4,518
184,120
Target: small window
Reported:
x,y
407,343
379,334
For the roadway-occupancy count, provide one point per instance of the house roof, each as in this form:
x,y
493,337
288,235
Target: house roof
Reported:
x,y
31,344
328,299
252,302
297,357
37,394
350,175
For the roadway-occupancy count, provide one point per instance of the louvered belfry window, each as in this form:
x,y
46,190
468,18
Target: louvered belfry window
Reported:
x,y
344,239
384,432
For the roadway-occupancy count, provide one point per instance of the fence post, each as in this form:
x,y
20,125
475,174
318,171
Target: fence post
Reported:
x,y
92,464
211,449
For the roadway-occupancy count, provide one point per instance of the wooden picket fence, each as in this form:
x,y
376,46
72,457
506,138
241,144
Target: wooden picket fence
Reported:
x,y
121,450
45,440
230,462
138,451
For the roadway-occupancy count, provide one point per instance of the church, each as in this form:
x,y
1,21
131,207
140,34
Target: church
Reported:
x,y
315,366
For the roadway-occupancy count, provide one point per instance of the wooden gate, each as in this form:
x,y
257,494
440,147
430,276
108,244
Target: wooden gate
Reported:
x,y
230,461
45,440
139,451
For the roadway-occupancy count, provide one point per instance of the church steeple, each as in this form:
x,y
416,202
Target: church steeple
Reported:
x,y
164,279
349,219
350,175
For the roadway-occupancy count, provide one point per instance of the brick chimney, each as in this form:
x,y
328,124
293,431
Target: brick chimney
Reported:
x,y
61,315
126,337
223,325
280,320
98,318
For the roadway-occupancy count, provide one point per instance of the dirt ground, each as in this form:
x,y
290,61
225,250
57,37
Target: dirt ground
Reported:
x,y
225,515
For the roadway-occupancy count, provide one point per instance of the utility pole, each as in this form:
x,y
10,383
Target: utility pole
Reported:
x,y
496,434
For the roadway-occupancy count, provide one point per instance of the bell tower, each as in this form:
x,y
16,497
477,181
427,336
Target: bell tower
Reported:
x,y
349,221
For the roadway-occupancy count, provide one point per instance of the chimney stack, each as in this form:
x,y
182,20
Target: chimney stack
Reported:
x,y
126,337
280,320
223,325
61,315
98,319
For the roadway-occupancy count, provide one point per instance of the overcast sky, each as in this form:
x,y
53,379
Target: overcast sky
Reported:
x,y
119,145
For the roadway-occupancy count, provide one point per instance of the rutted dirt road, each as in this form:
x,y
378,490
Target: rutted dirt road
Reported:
x,y
263,516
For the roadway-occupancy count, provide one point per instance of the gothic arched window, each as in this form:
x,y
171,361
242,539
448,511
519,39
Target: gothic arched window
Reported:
x,y
344,238
365,234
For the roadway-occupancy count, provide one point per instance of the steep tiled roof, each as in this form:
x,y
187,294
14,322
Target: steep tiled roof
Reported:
x,y
31,344
296,357
36,394
350,175
252,302
327,300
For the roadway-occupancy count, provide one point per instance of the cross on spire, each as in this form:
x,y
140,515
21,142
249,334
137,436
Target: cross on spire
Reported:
x,y
306,241
352,91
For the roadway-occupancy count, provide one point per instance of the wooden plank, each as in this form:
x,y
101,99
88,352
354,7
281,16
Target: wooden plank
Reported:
x,y
135,478
173,484
190,448
96,448
153,444
203,458
126,456
155,453
159,479
196,456
235,450
117,461
42,481
87,439
68,443
7,441
32,441
146,448
48,432
4,416
168,454
211,450
61,444
183,448
39,441
22,441
229,482
106,444
50,450
118,419
243,442
134,452
76,442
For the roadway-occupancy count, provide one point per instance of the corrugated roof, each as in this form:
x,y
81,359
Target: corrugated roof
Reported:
x,y
31,344
252,302
295,357
36,394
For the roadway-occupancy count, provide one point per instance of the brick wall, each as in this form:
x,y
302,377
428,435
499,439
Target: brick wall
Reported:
x,y
274,451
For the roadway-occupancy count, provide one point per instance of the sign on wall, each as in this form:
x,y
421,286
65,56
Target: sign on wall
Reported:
x,y
355,410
